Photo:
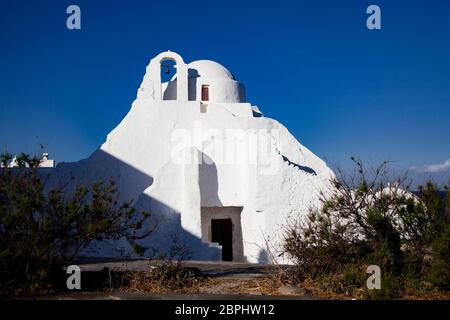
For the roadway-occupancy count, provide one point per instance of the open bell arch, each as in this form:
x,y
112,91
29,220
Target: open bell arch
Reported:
x,y
181,75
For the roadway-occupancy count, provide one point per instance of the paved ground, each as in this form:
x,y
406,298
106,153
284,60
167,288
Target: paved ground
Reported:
x,y
207,268
173,296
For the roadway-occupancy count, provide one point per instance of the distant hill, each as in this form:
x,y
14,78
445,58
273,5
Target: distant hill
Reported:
x,y
441,178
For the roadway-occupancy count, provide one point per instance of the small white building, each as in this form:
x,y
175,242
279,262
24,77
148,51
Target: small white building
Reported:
x,y
220,178
45,162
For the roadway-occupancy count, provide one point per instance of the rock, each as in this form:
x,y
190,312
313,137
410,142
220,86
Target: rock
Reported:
x,y
289,290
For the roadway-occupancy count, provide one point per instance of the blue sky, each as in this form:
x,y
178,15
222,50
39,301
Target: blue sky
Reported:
x,y
340,88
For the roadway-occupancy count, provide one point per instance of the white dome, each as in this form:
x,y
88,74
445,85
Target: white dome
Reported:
x,y
208,69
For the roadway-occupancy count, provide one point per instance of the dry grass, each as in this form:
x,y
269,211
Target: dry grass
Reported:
x,y
167,278
146,282
174,278
242,286
268,286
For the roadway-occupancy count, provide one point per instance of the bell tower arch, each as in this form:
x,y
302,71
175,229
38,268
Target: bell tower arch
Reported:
x,y
154,68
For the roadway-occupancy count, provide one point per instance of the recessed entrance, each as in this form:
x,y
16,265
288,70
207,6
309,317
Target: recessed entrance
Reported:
x,y
222,225
222,233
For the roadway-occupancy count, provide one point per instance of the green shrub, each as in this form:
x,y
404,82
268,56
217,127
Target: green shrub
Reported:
x,y
354,276
371,220
42,231
440,266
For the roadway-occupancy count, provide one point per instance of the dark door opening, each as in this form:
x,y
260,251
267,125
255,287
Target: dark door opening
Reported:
x,y
222,233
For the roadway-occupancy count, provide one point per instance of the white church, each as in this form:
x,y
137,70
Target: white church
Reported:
x,y
218,176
